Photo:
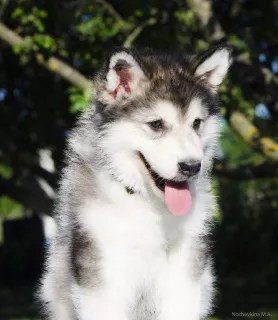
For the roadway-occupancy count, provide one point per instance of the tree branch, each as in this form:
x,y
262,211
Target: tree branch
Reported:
x,y
266,169
251,134
49,177
137,31
53,64
203,11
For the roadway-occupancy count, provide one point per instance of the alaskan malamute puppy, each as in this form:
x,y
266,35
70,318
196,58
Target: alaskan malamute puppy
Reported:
x,y
134,203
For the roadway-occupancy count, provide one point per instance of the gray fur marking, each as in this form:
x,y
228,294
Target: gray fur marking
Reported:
x,y
85,258
144,307
201,257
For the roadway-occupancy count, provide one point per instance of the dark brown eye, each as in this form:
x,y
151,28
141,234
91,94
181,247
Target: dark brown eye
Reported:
x,y
196,124
156,125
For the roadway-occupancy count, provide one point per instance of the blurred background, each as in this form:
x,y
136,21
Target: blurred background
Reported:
x,y
49,50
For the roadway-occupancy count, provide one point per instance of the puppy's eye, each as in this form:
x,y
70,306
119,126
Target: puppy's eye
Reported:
x,y
156,125
197,123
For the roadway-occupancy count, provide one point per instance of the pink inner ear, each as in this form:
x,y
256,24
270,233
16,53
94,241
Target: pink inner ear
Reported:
x,y
125,78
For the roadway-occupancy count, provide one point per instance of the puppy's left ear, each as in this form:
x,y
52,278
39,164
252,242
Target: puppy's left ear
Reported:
x,y
212,66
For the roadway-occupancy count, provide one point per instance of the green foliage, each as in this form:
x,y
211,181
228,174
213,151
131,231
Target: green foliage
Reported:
x,y
237,42
44,41
246,106
79,99
33,20
10,208
186,17
5,171
235,151
96,24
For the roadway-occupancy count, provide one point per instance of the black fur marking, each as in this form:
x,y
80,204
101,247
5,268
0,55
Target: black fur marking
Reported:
x,y
129,190
85,260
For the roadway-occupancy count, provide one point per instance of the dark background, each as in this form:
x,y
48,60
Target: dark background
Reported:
x,y
49,50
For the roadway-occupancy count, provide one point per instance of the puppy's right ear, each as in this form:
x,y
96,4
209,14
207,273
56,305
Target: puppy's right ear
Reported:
x,y
121,79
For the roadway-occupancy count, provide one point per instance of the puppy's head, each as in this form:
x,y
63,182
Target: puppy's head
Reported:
x,y
160,111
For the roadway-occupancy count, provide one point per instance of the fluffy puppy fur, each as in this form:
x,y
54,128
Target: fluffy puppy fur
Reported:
x,y
123,250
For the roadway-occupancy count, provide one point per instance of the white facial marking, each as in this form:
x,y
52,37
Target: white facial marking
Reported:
x,y
180,142
166,111
196,110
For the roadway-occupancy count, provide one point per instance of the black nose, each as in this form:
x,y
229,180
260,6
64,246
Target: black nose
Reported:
x,y
190,169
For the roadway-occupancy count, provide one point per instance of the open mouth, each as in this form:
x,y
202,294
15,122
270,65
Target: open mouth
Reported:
x,y
177,194
159,181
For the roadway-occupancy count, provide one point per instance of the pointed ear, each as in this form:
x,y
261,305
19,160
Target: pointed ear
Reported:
x,y
212,66
122,78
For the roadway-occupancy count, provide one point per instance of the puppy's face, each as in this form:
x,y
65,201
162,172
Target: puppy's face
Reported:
x,y
161,116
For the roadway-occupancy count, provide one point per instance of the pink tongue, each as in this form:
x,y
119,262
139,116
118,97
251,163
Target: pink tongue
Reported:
x,y
177,199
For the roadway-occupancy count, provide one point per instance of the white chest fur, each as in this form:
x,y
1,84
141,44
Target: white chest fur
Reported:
x,y
145,253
